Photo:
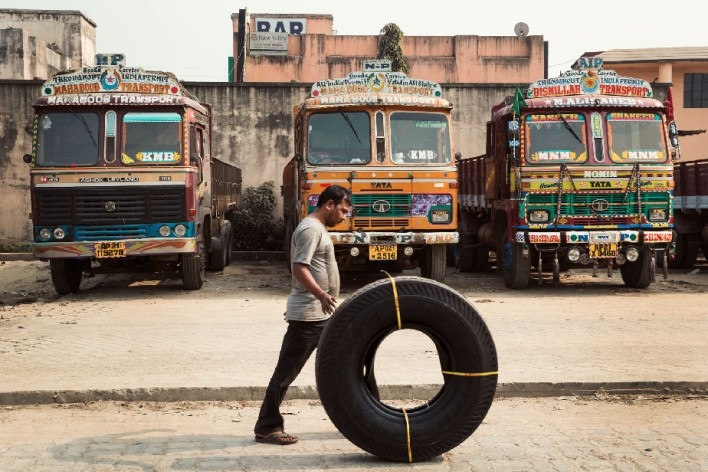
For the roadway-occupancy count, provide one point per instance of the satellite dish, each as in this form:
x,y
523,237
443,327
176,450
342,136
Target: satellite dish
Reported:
x,y
521,29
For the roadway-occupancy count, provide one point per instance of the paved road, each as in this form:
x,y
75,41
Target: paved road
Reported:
x,y
566,434
149,340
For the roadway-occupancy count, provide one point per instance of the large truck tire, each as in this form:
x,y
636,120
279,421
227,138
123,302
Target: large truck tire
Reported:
x,y
217,254
193,268
686,254
348,347
638,274
514,267
227,231
66,275
434,262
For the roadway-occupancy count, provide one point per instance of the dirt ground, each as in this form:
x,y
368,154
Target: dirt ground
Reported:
x,y
30,282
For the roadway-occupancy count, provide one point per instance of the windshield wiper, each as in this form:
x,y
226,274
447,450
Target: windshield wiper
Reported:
x,y
83,121
349,122
567,126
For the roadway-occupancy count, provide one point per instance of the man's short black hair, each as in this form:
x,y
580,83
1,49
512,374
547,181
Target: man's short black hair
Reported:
x,y
336,193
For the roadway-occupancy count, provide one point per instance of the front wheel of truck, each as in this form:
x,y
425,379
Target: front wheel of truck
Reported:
x,y
66,275
193,268
638,274
514,267
434,262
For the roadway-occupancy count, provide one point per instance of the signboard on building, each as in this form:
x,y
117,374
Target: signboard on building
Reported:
x,y
268,44
281,25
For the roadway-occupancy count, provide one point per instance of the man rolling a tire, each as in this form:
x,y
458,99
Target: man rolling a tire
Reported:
x,y
315,286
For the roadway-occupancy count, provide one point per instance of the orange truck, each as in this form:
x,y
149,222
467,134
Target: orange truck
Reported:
x,y
388,139
578,170
122,177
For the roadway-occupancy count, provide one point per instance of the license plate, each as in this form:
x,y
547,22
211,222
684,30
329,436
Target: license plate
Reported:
x,y
603,251
110,249
383,252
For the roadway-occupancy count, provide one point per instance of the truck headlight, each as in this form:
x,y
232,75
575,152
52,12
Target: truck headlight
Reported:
x,y
657,214
539,216
180,230
164,231
45,234
59,233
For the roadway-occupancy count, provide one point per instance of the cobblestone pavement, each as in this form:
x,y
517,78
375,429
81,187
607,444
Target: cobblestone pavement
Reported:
x,y
601,433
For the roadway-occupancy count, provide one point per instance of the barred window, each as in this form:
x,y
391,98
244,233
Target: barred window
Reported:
x,y
695,91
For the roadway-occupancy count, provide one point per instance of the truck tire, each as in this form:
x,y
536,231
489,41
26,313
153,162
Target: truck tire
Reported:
x,y
349,344
638,274
217,255
686,253
228,232
514,267
193,268
474,257
66,275
434,262
467,253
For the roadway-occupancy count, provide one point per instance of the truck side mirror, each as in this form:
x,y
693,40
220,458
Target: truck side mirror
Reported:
x,y
27,158
673,134
195,159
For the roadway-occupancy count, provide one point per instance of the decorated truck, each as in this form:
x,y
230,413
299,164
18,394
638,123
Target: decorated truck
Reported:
x,y
123,177
578,170
387,138
690,212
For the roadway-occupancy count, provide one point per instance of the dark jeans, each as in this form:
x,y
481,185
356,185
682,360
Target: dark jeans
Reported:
x,y
299,343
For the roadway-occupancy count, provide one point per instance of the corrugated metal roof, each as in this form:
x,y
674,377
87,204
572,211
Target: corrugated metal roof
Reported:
x,y
655,54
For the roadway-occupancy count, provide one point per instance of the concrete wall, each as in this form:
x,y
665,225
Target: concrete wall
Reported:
x,y
320,53
38,43
16,99
252,130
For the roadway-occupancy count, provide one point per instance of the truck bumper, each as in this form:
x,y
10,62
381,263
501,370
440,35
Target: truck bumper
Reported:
x,y
133,247
399,238
595,237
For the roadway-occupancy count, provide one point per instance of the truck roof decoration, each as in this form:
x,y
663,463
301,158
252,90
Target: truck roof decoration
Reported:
x,y
388,88
589,78
101,79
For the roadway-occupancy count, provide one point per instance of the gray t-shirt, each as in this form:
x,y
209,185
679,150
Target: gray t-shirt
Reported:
x,y
312,246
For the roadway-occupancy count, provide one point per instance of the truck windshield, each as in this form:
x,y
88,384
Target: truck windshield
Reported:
x,y
420,138
341,137
67,139
152,138
555,138
636,137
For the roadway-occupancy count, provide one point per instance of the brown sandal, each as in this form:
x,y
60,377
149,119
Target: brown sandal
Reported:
x,y
280,438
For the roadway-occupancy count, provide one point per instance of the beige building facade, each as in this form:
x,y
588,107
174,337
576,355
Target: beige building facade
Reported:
x,y
39,43
305,48
685,70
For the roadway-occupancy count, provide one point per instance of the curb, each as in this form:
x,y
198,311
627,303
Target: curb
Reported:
x,y
388,392
16,256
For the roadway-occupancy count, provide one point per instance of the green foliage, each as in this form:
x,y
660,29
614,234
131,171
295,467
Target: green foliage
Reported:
x,y
11,246
255,227
390,48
